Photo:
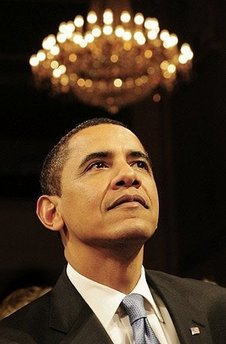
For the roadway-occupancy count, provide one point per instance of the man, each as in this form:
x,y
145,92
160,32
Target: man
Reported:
x,y
99,193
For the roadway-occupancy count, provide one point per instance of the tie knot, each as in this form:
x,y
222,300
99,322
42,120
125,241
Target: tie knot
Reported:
x,y
134,307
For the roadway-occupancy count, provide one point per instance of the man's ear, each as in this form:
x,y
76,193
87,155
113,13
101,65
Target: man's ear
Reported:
x,y
48,212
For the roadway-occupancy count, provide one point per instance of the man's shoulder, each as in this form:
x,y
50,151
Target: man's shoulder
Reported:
x,y
39,310
185,285
14,336
47,318
20,326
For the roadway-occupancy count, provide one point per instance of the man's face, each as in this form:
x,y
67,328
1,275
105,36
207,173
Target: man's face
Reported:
x,y
109,195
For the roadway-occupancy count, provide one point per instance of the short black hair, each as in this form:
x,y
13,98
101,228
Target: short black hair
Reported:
x,y
50,179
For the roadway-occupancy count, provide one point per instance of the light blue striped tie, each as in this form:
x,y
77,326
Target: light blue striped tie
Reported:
x,y
142,331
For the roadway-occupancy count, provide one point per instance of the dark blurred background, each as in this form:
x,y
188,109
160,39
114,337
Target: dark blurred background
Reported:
x,y
184,134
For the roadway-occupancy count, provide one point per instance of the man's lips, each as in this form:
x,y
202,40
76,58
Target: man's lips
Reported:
x,y
127,199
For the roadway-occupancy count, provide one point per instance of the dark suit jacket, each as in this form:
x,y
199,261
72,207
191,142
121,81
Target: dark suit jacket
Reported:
x,y
62,316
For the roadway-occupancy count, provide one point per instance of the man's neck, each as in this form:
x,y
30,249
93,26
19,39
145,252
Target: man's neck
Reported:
x,y
119,269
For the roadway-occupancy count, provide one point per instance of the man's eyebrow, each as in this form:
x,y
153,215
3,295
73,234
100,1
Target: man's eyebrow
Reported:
x,y
105,154
92,156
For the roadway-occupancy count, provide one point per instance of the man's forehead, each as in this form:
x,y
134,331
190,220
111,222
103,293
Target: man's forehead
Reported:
x,y
104,134
108,138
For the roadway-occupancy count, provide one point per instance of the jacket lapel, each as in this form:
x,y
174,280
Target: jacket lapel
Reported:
x,y
89,331
188,318
73,317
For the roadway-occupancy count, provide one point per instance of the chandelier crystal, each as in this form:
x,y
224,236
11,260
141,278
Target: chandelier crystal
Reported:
x,y
110,59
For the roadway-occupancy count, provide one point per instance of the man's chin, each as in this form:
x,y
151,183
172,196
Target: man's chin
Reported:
x,y
123,239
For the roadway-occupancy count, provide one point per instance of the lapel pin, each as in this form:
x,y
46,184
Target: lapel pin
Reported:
x,y
195,330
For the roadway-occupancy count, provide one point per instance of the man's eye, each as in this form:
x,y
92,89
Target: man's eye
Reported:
x,y
97,165
141,164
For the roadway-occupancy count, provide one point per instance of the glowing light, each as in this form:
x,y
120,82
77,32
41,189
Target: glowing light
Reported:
x,y
108,17
139,19
118,83
79,21
125,17
92,17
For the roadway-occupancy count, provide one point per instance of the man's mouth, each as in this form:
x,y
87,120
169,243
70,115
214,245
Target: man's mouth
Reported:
x,y
128,199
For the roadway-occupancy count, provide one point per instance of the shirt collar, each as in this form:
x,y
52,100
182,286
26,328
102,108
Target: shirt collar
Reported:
x,y
143,289
92,292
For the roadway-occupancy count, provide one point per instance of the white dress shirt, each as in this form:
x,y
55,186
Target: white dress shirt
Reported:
x,y
105,303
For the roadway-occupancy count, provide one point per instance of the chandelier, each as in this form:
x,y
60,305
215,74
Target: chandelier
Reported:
x,y
111,58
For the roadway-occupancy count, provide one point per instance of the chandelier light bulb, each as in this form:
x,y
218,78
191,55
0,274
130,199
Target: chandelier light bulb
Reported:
x,y
107,30
127,35
61,38
151,24
92,17
152,35
96,31
49,42
79,21
125,17
54,64
41,55
89,38
139,19
119,31
34,61
108,17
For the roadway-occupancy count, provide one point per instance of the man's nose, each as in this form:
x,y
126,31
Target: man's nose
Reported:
x,y
126,177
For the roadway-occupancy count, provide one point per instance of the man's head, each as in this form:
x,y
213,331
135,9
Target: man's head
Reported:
x,y
100,190
50,179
